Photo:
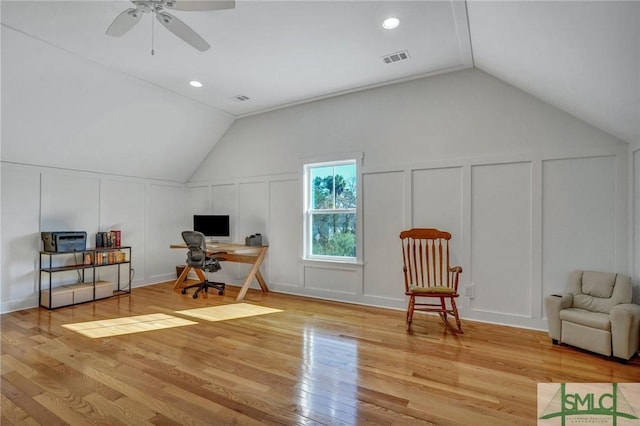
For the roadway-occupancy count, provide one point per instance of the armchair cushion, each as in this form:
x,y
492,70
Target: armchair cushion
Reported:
x,y
599,291
592,304
586,318
598,284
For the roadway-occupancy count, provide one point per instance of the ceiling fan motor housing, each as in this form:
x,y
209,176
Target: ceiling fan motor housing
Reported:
x,y
148,6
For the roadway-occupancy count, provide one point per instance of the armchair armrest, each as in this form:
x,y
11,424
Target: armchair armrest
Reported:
x,y
454,275
554,303
625,330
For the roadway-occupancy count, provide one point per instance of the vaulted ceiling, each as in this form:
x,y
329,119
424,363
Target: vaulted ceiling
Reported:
x,y
582,57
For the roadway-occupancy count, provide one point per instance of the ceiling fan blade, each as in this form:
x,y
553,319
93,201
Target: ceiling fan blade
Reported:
x,y
124,22
182,30
198,5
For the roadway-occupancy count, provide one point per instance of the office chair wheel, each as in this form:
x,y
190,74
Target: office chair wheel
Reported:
x,y
220,292
184,291
195,295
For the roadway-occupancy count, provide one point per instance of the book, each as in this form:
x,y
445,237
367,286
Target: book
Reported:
x,y
117,236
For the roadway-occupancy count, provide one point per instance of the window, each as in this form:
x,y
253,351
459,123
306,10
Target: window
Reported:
x,y
330,210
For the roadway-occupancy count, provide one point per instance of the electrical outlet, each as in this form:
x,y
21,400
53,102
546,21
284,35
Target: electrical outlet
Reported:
x,y
469,290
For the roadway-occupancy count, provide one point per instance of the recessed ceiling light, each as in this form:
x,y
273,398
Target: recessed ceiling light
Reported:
x,y
195,83
390,23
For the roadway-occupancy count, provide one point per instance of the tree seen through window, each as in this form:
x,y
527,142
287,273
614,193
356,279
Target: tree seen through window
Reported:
x,y
333,210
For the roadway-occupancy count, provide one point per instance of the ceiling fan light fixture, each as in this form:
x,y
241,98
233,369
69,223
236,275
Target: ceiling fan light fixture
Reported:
x,y
390,23
195,83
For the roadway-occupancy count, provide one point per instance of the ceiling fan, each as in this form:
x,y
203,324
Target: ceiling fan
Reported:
x,y
127,19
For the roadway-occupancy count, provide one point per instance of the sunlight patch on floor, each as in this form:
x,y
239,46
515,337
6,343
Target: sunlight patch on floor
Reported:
x,y
127,325
228,312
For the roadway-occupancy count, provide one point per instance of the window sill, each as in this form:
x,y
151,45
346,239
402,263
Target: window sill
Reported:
x,y
351,264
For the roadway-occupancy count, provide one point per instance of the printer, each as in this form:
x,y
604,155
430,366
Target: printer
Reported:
x,y
64,241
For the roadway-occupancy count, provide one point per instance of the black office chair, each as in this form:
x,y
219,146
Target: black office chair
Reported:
x,y
197,258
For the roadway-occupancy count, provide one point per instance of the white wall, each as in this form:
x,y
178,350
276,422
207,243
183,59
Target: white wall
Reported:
x,y
63,111
528,191
89,148
1,235
149,213
635,222
634,193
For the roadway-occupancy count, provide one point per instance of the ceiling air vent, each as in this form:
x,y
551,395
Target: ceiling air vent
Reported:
x,y
396,57
241,98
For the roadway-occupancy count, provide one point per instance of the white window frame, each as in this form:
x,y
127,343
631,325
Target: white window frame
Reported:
x,y
352,158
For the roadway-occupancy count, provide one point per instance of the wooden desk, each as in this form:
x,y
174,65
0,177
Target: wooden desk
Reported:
x,y
231,253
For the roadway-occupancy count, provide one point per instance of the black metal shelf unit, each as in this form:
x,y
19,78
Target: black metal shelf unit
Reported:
x,y
91,259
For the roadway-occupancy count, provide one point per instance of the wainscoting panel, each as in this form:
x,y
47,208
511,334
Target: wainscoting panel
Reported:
x,y
70,203
437,203
161,216
285,213
382,222
579,218
252,219
331,281
198,202
20,237
224,202
252,208
501,244
636,226
120,208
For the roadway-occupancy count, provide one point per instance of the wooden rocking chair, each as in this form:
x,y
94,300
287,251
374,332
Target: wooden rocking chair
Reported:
x,y
427,274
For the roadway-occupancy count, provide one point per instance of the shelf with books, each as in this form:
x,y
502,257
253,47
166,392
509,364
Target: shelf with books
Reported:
x,y
90,259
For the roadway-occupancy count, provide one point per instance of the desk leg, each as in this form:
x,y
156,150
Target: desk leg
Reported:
x,y
255,272
183,276
261,281
178,284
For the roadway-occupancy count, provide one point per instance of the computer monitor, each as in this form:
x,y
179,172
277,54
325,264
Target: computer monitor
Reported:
x,y
212,225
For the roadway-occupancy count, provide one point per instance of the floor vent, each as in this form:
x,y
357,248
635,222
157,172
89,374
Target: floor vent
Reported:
x,y
396,57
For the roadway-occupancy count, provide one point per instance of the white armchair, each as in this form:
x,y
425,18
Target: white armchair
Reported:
x,y
596,314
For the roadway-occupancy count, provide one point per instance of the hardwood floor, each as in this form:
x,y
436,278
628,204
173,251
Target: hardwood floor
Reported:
x,y
306,362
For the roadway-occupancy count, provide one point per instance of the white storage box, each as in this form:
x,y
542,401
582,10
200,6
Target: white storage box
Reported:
x,y
82,292
60,296
104,289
